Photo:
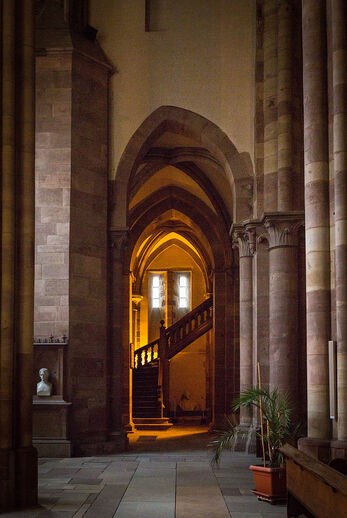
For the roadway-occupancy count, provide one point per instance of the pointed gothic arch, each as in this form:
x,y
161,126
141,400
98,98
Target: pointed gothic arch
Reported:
x,y
235,166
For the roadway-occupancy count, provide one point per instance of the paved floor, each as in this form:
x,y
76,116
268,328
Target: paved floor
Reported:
x,y
163,475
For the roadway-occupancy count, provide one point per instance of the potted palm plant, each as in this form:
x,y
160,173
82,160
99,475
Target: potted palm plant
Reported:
x,y
276,428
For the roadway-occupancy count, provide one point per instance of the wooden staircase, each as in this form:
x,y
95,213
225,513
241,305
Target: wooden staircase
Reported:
x,y
147,407
151,366
146,399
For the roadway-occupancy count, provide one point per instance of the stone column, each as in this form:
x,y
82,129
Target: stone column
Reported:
x,y
25,228
7,482
316,215
18,480
120,375
220,300
137,299
283,304
270,11
339,75
285,108
241,239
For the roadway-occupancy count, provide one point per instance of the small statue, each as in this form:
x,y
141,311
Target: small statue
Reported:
x,y
44,387
186,403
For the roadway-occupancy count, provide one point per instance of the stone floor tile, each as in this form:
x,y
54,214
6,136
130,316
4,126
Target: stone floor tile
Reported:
x,y
148,483
117,478
70,501
44,469
245,499
276,513
55,514
230,491
59,485
157,473
88,473
91,498
201,509
106,503
146,510
88,481
251,507
84,488
61,472
82,510
246,515
98,465
28,513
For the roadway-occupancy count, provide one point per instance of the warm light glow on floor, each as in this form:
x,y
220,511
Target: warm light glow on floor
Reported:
x,y
177,438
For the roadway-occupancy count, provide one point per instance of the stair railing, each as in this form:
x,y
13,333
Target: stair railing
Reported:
x,y
146,354
189,328
178,336
172,340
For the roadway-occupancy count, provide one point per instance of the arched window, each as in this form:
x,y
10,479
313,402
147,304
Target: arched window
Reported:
x,y
183,290
155,291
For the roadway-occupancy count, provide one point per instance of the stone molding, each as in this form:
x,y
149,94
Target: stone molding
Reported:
x,y
52,340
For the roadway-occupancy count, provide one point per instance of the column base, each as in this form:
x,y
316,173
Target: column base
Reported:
x,y
108,447
245,439
7,479
316,448
26,477
18,478
338,449
53,448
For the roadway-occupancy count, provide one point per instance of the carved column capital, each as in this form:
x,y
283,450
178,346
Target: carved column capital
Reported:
x,y
244,240
136,300
282,230
118,240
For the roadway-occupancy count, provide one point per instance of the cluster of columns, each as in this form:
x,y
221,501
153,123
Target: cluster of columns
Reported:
x,y
18,474
281,235
325,95
324,81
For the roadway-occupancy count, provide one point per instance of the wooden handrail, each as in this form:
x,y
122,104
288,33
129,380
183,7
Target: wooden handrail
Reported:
x,y
190,327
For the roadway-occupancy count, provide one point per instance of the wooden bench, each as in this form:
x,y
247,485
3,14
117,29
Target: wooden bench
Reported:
x,y
314,489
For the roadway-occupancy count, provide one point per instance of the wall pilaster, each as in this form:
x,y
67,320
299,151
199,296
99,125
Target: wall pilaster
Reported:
x,y
119,312
18,480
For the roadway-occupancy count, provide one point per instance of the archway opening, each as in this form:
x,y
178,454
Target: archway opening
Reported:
x,y
179,210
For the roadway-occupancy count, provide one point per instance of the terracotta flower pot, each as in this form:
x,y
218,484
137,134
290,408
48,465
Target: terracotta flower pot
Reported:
x,y
270,483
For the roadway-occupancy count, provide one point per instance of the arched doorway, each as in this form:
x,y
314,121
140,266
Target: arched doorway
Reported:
x,y
180,174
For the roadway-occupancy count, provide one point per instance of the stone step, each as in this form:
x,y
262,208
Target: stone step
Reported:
x,y
152,423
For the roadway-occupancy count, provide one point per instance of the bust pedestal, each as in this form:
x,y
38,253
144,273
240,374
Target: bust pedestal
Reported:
x,y
50,426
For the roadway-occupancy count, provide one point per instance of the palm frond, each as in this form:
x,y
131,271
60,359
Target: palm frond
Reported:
x,y
223,440
276,410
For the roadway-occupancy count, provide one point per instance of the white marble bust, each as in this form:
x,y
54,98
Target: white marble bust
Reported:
x,y
44,387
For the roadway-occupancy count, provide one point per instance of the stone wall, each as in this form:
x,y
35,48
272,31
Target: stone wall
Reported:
x,y
71,226
52,179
